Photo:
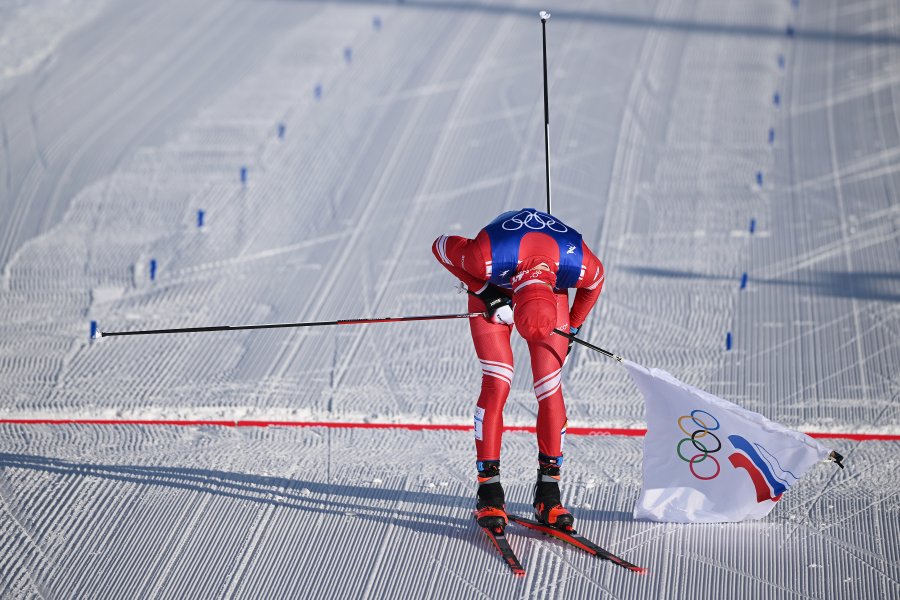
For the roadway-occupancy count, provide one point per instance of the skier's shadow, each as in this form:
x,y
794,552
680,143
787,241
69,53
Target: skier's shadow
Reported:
x,y
375,504
354,501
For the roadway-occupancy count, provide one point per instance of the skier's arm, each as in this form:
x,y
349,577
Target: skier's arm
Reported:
x,y
589,287
462,257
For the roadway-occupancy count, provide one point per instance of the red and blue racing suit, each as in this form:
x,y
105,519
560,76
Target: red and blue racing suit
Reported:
x,y
514,242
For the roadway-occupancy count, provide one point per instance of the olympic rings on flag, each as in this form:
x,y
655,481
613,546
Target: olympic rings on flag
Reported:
x,y
693,416
703,448
700,477
705,430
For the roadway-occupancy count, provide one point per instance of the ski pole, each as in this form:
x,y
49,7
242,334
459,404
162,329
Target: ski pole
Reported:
x,y
285,325
588,345
544,16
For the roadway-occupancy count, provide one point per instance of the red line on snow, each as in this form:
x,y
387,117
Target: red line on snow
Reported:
x,y
409,426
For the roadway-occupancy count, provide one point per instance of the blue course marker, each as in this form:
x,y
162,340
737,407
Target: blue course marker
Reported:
x,y
317,92
200,218
752,225
759,178
244,175
781,61
776,99
728,341
744,281
152,269
281,131
93,330
348,54
376,23
771,135
789,31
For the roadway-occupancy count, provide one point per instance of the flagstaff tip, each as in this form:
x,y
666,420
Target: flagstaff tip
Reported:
x,y
836,458
544,15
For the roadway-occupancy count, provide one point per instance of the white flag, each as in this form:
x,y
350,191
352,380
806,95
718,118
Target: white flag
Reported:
x,y
707,460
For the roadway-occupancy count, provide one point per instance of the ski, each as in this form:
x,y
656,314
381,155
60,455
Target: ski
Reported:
x,y
500,542
579,541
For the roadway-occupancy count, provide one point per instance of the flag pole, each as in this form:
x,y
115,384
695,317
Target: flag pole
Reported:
x,y
588,345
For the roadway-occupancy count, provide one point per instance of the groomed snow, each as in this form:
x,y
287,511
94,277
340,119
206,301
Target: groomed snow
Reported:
x,y
692,142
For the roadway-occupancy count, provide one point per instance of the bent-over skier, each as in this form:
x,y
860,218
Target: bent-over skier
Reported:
x,y
522,264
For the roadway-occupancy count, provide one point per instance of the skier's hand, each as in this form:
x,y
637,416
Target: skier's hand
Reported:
x,y
495,300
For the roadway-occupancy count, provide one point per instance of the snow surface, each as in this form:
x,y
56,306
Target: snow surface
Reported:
x,y
126,121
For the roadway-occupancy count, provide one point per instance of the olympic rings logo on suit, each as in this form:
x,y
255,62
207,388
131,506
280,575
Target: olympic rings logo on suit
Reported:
x,y
705,448
533,220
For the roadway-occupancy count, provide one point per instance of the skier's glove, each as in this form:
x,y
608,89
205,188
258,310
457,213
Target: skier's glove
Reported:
x,y
497,304
503,315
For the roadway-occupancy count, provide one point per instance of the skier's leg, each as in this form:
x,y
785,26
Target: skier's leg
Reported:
x,y
495,354
547,358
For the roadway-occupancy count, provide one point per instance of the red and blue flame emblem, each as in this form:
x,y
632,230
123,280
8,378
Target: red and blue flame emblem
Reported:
x,y
762,466
769,478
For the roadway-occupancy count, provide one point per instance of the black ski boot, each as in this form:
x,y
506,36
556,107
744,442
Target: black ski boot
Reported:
x,y
548,508
490,510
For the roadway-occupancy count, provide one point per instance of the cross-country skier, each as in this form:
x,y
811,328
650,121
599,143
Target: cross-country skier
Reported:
x,y
522,263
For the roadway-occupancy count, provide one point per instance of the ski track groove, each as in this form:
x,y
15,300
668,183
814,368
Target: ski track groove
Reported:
x,y
92,533
409,224
50,155
368,210
29,563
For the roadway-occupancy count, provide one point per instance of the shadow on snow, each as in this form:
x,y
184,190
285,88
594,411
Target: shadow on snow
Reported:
x,y
637,21
310,496
876,286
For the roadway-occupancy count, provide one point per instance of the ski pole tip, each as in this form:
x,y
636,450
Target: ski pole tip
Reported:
x,y
544,15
